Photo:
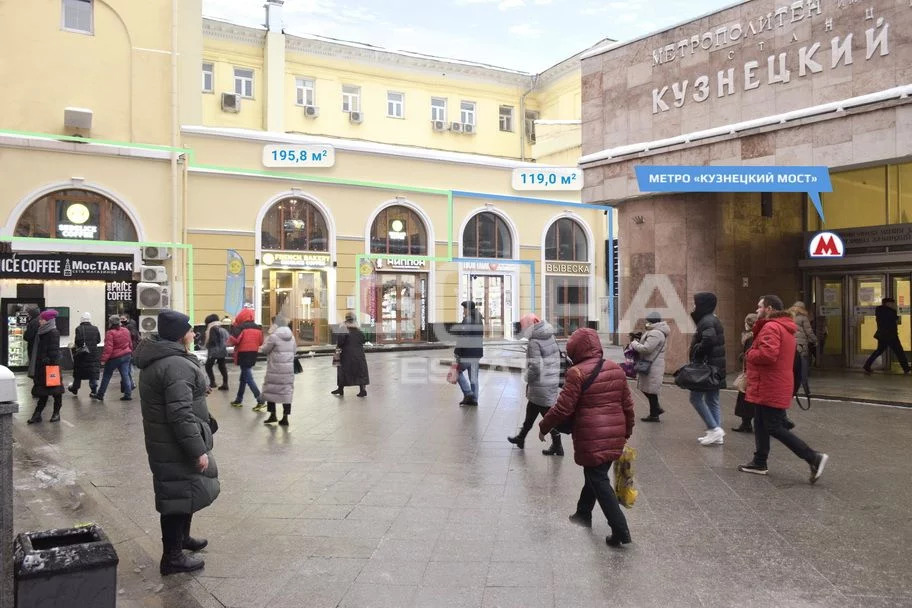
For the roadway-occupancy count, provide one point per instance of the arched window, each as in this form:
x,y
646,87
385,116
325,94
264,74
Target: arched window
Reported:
x,y
566,241
294,224
76,214
487,236
398,229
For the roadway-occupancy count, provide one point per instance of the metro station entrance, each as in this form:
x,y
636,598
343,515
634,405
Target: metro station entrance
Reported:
x,y
844,307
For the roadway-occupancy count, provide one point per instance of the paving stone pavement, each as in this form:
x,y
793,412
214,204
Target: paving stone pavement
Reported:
x,y
404,499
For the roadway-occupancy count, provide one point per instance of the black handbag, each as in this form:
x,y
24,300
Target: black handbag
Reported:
x,y
566,427
698,376
213,424
297,366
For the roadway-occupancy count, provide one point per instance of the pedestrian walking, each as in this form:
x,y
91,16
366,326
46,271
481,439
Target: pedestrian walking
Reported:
x,y
278,387
805,340
651,349
542,373
598,401
127,322
769,387
31,329
178,434
215,341
352,369
86,358
246,338
744,409
887,335
708,344
45,353
469,351
117,354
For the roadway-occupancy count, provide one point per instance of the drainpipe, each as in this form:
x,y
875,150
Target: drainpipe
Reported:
x,y
176,265
533,81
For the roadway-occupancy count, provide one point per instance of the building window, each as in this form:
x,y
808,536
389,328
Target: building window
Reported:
x,y
77,16
467,113
294,224
351,98
438,108
306,94
487,236
76,214
530,118
394,104
243,82
208,77
398,229
566,241
506,118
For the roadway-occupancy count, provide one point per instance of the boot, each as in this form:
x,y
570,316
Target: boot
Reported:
x,y
36,416
223,387
618,538
195,544
55,416
176,561
581,519
286,410
556,448
745,427
339,391
362,392
272,419
519,440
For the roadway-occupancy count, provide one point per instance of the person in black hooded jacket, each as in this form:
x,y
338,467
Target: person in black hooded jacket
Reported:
x,y
708,344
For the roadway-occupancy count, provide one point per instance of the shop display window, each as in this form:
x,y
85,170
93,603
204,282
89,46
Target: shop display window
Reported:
x,y
398,230
294,224
76,214
566,241
487,236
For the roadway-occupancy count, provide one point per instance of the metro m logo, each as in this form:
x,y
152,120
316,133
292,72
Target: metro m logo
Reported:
x,y
826,245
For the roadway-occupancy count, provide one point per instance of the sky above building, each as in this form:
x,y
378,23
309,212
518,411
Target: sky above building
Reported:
x,y
528,35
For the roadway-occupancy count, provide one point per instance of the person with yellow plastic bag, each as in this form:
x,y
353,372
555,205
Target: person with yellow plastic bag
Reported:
x,y
623,477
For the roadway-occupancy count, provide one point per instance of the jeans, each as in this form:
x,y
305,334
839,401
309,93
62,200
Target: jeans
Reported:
x,y
93,385
768,423
882,346
707,405
223,369
175,529
598,488
122,365
247,380
469,386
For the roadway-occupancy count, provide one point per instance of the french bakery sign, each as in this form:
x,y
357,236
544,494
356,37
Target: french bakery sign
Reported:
x,y
831,50
66,267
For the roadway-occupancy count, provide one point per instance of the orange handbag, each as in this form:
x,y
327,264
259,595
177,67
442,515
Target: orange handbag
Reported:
x,y
52,375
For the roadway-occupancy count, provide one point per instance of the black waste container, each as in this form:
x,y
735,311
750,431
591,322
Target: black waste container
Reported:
x,y
69,566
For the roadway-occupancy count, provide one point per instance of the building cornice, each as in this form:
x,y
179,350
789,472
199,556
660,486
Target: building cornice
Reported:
x,y
222,30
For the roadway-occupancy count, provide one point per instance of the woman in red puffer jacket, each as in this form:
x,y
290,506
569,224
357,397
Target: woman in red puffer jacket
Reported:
x,y
602,423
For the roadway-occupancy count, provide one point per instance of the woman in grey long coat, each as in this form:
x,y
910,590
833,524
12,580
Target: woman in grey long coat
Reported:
x,y
278,387
178,431
542,379
652,347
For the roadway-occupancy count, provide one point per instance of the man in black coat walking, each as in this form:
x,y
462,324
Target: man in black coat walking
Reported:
x,y
887,335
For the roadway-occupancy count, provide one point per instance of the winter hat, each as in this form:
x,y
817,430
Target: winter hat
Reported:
x,y
211,319
468,304
173,325
114,321
349,316
86,317
528,320
653,317
48,314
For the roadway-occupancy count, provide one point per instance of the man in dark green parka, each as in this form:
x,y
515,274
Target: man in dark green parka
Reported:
x,y
178,432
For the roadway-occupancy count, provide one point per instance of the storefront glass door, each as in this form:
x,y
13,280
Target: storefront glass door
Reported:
x,y
867,293
399,306
568,303
828,322
900,290
300,297
489,294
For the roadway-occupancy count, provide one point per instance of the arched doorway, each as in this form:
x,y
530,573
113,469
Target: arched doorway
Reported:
x,y
487,235
294,264
397,291
568,275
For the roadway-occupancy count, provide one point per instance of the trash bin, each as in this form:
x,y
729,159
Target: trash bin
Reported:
x,y
69,566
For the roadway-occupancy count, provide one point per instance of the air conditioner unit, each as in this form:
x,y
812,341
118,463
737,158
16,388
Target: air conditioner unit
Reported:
x,y
439,125
355,117
231,102
166,297
156,253
148,324
456,127
468,129
149,296
153,274
311,111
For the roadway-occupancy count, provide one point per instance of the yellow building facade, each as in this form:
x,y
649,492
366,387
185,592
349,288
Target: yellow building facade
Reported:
x,y
147,157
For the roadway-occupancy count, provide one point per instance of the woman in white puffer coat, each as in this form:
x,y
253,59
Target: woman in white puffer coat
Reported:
x,y
278,387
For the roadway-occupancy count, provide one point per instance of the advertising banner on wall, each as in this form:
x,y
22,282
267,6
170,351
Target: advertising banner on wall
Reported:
x,y
66,266
235,278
